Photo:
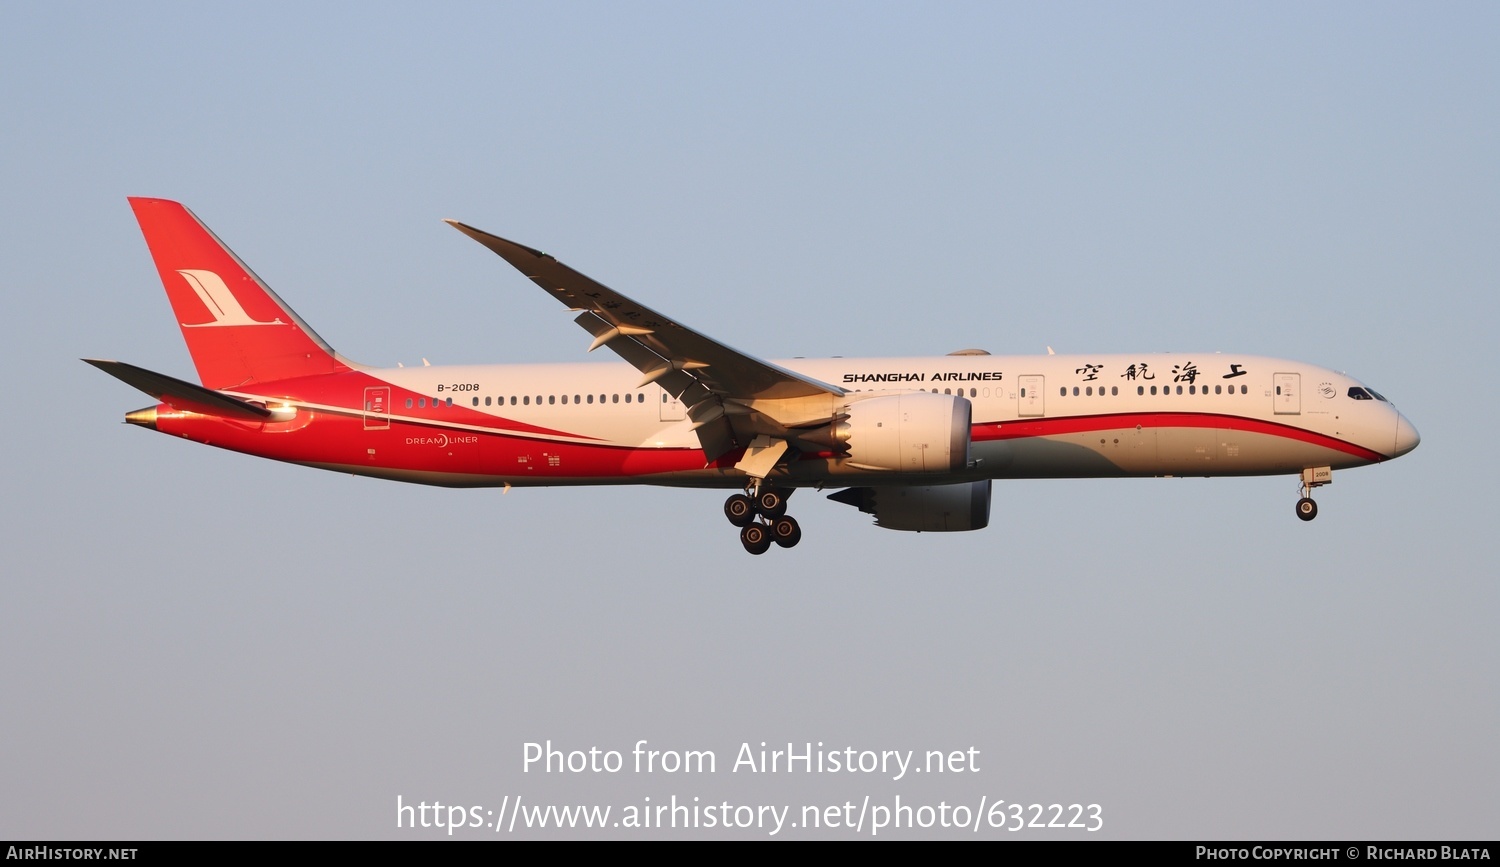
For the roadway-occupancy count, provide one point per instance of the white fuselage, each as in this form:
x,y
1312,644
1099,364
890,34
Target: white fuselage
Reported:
x,y
1033,416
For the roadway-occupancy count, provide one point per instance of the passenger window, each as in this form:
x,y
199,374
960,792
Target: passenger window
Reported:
x,y
1141,389
408,403
551,400
591,399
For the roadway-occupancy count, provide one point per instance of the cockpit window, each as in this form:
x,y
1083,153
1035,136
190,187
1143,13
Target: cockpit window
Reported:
x,y
1359,394
1378,396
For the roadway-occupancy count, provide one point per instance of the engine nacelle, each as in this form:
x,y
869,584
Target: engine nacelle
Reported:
x,y
930,508
908,433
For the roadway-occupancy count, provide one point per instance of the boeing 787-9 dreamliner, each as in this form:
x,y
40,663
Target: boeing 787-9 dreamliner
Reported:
x,y
915,442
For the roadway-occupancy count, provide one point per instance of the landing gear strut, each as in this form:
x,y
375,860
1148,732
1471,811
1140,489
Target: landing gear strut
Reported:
x,y
760,513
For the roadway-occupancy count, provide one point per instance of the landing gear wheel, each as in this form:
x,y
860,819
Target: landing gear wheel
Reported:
x,y
739,509
756,538
1307,509
771,503
785,531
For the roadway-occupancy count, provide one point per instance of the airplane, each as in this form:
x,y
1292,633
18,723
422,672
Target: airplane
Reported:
x,y
916,442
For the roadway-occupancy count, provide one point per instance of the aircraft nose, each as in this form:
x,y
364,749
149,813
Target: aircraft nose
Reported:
x,y
1406,436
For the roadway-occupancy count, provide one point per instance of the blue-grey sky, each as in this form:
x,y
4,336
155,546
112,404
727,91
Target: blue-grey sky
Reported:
x,y
195,643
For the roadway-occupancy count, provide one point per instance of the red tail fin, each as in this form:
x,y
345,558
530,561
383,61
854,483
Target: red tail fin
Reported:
x,y
236,329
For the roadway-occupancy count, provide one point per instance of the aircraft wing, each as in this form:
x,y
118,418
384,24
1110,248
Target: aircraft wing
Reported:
x,y
716,382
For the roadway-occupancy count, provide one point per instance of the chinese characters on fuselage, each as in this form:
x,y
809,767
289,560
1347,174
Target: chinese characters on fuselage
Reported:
x,y
1186,372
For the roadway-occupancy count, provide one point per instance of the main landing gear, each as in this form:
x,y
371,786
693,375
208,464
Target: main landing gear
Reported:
x,y
1315,477
762,519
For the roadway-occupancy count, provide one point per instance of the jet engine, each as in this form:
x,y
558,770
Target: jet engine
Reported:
x,y
908,433
933,508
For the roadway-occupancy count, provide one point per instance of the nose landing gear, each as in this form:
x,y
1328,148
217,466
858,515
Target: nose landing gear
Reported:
x,y
760,513
1312,477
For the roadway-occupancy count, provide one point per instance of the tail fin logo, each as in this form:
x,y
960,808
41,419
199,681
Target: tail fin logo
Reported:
x,y
221,303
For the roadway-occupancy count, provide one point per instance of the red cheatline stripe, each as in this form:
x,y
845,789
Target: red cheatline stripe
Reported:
x,y
1040,427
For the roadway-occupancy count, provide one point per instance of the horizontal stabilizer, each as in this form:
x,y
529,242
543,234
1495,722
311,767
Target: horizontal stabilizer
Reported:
x,y
181,395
